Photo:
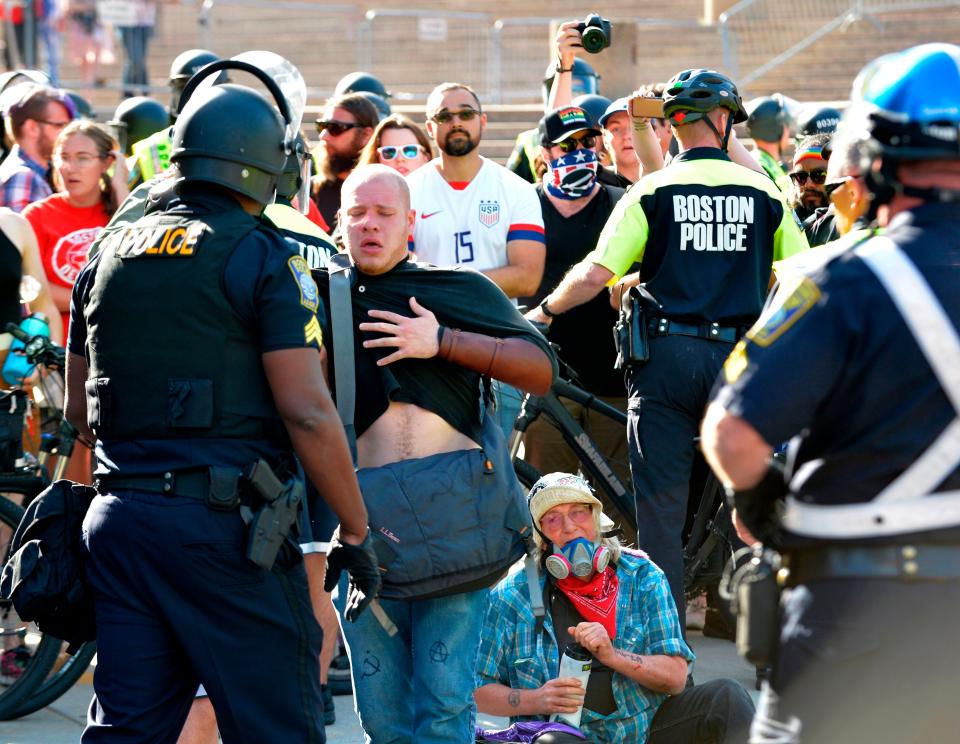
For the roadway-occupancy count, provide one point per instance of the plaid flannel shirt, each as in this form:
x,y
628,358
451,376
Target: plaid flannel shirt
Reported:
x,y
513,654
22,181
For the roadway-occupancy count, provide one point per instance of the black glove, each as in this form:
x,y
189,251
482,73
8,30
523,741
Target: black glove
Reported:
x,y
360,563
759,507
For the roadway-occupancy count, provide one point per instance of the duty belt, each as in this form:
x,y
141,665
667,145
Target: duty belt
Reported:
x,y
907,562
195,483
713,331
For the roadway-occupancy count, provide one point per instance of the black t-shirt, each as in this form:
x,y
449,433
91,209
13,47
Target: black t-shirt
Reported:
x,y
327,197
599,697
11,273
820,227
584,334
460,298
610,177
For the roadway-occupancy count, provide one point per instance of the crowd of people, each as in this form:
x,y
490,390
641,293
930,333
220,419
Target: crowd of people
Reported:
x,y
366,318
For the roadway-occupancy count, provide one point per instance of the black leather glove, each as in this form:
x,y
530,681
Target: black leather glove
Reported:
x,y
360,563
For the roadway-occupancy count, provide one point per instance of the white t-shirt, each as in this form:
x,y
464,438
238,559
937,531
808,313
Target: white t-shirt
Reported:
x,y
471,226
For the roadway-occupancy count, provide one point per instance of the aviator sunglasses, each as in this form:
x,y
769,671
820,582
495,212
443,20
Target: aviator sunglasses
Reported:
x,y
390,152
819,177
336,128
445,117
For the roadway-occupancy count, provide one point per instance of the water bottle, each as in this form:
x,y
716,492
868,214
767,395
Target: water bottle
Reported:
x,y
575,662
16,368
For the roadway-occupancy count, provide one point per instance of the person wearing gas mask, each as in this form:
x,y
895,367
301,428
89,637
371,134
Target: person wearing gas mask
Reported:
x,y
615,603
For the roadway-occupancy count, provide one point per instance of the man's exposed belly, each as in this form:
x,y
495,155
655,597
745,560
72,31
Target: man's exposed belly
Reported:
x,y
405,432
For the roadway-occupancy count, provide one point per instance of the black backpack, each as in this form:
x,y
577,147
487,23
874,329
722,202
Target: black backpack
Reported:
x,y
44,577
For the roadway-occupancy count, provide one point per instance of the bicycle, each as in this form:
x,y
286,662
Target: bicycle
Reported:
x,y
39,681
709,540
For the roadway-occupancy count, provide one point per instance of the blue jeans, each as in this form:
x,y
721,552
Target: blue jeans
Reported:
x,y
509,399
135,39
417,686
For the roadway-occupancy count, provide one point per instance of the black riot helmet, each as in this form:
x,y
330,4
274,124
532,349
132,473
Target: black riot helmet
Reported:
x,y
692,94
183,67
595,106
136,119
822,120
361,82
232,136
292,177
383,108
585,79
768,116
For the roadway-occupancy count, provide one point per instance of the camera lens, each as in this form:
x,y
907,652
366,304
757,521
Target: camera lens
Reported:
x,y
593,40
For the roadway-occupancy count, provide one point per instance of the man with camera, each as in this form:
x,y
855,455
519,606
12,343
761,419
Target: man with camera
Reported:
x,y
705,232
867,519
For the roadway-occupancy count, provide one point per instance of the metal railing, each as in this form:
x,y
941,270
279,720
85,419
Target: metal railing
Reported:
x,y
761,35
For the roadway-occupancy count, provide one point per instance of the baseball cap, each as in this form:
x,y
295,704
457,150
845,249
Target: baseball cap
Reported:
x,y
614,108
563,122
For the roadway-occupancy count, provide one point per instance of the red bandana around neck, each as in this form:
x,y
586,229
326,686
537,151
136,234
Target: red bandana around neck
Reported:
x,y
595,600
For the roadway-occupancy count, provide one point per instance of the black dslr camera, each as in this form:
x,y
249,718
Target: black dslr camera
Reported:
x,y
595,33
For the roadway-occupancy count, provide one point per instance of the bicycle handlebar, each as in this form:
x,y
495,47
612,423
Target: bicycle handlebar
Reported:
x,y
39,349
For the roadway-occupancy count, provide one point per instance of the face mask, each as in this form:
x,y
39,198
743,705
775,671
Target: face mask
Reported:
x,y
580,558
573,175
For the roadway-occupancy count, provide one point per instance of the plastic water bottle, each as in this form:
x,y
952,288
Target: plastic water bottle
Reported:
x,y
575,662
16,368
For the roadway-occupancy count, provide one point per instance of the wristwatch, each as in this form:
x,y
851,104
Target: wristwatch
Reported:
x,y
545,309
558,67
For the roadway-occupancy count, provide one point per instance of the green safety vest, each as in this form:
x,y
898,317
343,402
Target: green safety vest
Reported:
x,y
150,157
774,170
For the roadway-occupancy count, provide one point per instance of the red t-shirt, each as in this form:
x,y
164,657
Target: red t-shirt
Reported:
x,y
64,236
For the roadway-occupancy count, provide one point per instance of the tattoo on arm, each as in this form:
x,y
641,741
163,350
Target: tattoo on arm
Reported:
x,y
635,659
514,698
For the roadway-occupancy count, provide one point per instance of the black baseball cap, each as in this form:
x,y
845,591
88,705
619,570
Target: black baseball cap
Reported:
x,y
563,122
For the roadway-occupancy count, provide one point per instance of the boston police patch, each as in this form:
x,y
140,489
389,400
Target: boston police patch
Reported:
x,y
309,296
778,321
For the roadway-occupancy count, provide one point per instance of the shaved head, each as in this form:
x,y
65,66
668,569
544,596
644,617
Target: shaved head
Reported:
x,y
375,172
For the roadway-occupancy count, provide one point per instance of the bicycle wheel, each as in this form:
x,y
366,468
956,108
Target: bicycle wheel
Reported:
x,y
54,687
22,672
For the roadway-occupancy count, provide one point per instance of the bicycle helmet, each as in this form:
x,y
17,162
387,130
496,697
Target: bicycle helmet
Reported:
x,y
692,94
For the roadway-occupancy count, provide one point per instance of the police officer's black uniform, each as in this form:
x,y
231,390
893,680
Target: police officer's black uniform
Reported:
x,y
705,231
173,316
862,359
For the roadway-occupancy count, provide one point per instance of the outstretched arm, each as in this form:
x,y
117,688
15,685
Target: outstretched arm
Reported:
x,y
516,361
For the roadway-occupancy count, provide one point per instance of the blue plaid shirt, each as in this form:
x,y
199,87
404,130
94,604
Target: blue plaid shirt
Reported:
x,y
23,181
513,654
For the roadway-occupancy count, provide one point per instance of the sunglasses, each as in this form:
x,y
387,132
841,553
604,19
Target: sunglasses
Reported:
x,y
389,152
569,145
578,515
336,128
819,177
445,117
829,188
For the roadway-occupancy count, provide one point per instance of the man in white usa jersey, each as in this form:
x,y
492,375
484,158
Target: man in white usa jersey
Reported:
x,y
470,210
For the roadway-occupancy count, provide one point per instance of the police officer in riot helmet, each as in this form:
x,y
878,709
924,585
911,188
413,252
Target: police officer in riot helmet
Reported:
x,y
768,123
822,120
361,82
137,118
183,67
195,365
867,515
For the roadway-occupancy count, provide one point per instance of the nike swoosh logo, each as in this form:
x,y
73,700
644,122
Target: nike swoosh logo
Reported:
x,y
424,216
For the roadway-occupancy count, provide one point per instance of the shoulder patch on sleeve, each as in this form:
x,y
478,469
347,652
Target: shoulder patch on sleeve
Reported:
x,y
309,296
780,319
312,333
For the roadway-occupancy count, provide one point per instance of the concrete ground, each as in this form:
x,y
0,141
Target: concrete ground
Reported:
x,y
62,722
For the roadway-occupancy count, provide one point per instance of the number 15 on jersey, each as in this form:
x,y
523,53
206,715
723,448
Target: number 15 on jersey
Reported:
x,y
463,247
